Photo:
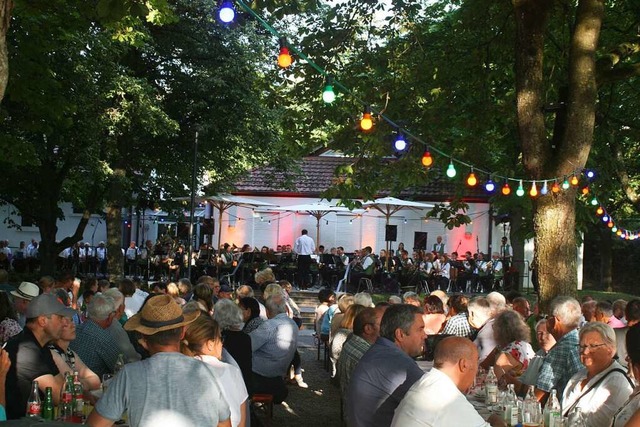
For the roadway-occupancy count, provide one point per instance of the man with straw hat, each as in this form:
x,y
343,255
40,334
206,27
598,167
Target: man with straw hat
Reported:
x,y
169,388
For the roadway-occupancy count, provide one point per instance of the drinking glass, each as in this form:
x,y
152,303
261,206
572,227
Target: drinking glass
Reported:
x,y
531,414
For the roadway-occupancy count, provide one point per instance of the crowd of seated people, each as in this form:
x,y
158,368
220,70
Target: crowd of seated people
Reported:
x,y
583,351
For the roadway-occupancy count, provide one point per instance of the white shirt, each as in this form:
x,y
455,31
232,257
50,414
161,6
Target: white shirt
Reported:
x,y
434,400
230,381
133,303
600,404
367,261
132,253
101,253
304,245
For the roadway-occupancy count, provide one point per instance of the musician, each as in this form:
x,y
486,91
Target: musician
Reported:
x,y
506,253
443,272
438,246
484,267
362,267
131,257
342,257
204,254
458,275
497,270
304,247
101,259
178,264
469,276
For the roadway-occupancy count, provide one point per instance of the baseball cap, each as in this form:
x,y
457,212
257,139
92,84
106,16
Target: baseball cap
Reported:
x,y
46,305
226,288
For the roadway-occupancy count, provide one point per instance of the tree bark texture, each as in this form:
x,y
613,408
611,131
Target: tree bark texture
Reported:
x,y
554,215
115,260
5,18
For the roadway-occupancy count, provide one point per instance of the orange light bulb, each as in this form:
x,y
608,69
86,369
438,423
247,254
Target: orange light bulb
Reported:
x,y
427,160
555,188
472,180
506,190
534,190
574,180
599,211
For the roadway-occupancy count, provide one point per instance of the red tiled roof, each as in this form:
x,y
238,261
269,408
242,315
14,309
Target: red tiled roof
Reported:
x,y
317,174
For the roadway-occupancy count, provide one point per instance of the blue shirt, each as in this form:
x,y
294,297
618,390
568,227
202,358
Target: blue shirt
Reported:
x,y
96,347
562,361
273,345
378,384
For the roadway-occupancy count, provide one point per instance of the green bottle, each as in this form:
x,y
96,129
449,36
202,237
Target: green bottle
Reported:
x,y
47,410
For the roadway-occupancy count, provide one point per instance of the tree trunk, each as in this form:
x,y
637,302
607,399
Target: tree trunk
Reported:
x,y
554,215
114,242
554,226
48,249
5,18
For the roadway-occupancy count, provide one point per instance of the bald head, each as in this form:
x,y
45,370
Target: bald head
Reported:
x,y
451,349
457,357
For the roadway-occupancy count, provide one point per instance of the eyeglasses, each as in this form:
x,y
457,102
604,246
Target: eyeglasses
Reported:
x,y
591,347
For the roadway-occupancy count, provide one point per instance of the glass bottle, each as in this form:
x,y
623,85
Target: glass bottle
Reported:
x,y
47,408
552,410
78,399
531,412
34,404
491,387
65,407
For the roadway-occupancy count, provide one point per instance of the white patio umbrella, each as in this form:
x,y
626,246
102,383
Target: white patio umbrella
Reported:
x,y
388,206
222,202
316,209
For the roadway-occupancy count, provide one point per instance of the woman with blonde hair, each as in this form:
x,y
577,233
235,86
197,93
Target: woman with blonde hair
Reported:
x,y
203,341
346,328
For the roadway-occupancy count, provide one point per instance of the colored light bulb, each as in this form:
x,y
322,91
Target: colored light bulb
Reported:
x,y
451,170
490,186
400,144
520,190
610,224
366,123
594,202
565,184
226,12
472,180
599,211
555,188
284,57
506,190
328,95
574,180
605,218
427,160
534,190
545,189
585,191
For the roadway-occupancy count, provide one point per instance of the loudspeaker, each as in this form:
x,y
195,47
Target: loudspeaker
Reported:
x,y
420,240
208,226
391,233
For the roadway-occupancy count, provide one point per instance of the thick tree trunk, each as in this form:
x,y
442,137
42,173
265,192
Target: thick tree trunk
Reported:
x,y
554,226
554,215
114,242
48,249
5,18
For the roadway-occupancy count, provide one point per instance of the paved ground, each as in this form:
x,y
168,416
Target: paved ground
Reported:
x,y
318,405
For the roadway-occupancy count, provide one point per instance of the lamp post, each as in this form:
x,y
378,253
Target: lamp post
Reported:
x,y
193,202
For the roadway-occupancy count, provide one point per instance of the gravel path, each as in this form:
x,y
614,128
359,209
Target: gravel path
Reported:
x,y
318,405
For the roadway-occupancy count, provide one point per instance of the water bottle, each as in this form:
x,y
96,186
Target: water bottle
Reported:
x,y
552,410
510,406
491,388
34,404
576,419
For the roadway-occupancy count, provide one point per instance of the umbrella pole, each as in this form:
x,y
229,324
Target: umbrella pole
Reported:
x,y
386,267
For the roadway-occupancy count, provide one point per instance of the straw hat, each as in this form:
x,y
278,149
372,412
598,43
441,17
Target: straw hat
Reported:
x,y
160,313
26,290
